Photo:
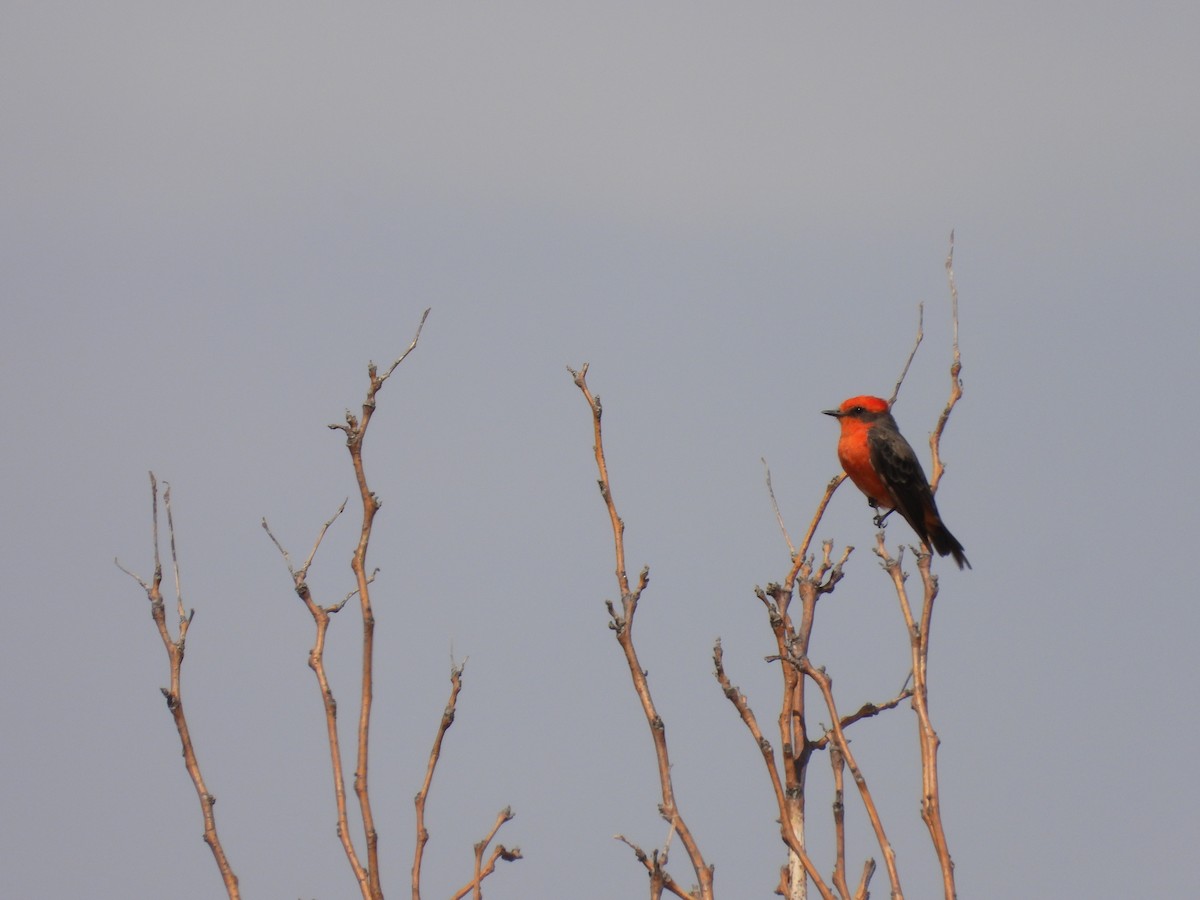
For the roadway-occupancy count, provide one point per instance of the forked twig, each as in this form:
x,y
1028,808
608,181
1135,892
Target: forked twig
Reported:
x,y
447,720
302,572
801,559
316,662
622,626
787,826
355,428
919,631
825,685
175,648
484,869
866,711
660,878
355,433
810,580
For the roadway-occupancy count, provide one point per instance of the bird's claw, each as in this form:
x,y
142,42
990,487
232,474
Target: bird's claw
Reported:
x,y
880,518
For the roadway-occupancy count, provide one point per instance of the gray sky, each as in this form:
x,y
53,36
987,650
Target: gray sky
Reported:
x,y
213,219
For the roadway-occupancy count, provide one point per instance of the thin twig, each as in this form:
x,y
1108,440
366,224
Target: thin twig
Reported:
x,y
660,879
302,573
321,536
482,869
927,737
787,829
498,852
622,626
355,429
410,349
912,353
447,720
864,883
355,434
956,387
931,804
316,662
350,595
174,555
919,635
809,580
838,764
825,685
866,711
799,559
175,648
778,515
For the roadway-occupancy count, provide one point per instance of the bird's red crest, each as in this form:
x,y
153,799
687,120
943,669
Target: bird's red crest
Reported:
x,y
867,402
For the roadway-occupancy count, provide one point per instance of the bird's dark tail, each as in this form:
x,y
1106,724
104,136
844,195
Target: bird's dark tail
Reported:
x,y
945,543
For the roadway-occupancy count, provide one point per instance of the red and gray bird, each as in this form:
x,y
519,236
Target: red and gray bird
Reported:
x,y
884,467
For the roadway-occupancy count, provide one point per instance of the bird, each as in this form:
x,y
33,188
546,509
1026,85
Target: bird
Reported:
x,y
882,464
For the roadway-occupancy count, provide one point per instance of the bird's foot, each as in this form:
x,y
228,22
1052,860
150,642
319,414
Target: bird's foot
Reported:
x,y
881,518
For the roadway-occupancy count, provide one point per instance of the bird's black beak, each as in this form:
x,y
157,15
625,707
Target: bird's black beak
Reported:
x,y
836,413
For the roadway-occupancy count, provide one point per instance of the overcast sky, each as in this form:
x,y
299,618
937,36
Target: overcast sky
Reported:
x,y
213,217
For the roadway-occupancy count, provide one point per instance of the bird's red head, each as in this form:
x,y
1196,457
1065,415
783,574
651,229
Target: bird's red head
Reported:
x,y
864,407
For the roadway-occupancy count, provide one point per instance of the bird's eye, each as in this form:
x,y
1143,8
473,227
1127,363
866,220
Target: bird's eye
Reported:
x,y
857,410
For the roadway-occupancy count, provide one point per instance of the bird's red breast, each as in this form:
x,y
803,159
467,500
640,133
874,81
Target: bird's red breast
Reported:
x,y
857,416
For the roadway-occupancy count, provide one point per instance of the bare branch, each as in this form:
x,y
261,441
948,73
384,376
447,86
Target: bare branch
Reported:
x,y
340,605
135,577
808,580
154,527
919,632
838,764
928,739
410,349
368,875
622,626
866,711
811,576
778,515
660,879
786,826
825,685
482,870
798,559
618,526
499,852
174,694
956,388
174,560
912,353
316,662
447,720
356,430
320,537
287,557
864,883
